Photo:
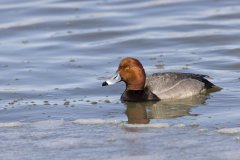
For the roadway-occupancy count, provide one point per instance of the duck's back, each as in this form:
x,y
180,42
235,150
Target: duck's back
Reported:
x,y
177,85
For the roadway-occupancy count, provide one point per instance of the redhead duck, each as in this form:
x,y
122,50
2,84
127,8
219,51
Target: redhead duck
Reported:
x,y
158,86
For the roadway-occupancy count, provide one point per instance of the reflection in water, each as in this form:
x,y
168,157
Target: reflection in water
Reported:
x,y
142,112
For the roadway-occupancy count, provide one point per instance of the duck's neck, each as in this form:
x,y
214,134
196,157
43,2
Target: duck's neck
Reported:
x,y
135,87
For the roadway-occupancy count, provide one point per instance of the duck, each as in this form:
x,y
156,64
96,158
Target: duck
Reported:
x,y
157,86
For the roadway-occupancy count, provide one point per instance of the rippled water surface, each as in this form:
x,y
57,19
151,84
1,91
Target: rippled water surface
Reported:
x,y
54,55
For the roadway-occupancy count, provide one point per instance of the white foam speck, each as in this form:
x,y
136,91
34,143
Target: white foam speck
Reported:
x,y
96,121
39,134
141,157
48,124
203,130
180,125
157,125
60,143
229,130
11,124
237,138
231,154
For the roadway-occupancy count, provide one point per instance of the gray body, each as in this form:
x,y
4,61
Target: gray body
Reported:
x,y
171,85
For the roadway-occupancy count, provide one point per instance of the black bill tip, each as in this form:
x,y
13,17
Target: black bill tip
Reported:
x,y
104,84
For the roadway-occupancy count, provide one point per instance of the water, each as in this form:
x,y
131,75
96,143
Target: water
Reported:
x,y
56,53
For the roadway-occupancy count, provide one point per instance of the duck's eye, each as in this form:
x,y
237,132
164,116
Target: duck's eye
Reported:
x,y
126,68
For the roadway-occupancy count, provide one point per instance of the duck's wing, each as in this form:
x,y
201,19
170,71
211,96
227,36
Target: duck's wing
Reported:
x,y
172,84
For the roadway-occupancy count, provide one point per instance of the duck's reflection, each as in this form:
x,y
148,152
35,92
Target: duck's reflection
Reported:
x,y
142,112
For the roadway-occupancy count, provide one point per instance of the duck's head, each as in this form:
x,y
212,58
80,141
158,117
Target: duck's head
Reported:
x,y
131,71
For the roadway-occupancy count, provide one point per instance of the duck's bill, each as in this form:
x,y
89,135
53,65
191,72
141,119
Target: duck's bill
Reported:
x,y
116,78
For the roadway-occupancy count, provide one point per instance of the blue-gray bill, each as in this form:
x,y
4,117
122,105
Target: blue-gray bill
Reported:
x,y
116,78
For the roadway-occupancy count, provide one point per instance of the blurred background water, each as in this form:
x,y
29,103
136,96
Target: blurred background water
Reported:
x,y
54,55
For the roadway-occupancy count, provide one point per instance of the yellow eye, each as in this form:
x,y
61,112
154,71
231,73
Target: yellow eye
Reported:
x,y
127,68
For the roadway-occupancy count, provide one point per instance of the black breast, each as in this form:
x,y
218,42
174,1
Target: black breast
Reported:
x,y
139,95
